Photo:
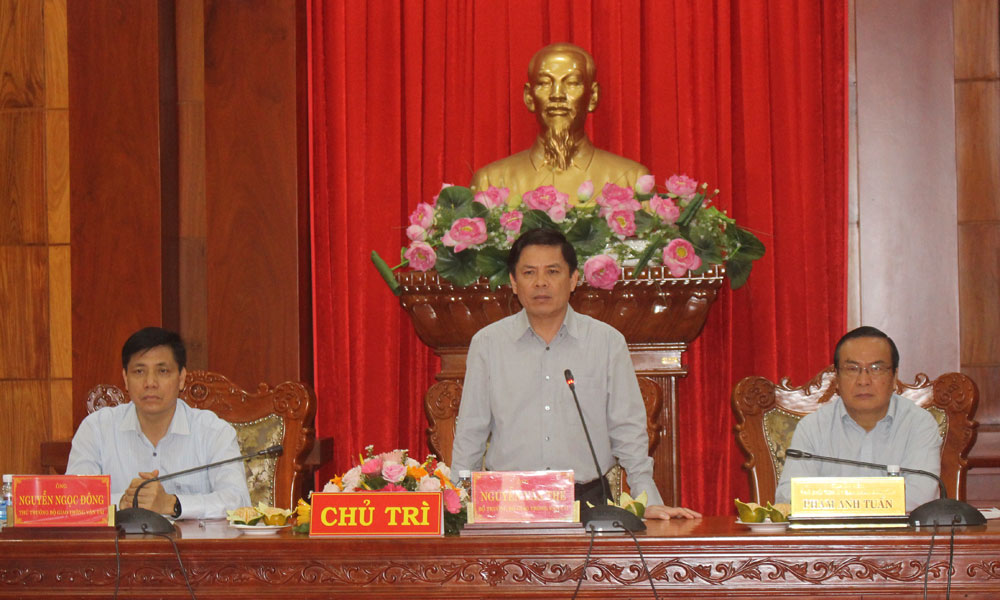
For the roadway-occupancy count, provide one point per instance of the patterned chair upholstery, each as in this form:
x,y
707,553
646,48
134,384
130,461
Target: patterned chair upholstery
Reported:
x,y
280,415
443,398
767,413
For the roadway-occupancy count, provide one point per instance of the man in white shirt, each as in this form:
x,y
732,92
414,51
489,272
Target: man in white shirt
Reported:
x,y
867,422
515,390
156,434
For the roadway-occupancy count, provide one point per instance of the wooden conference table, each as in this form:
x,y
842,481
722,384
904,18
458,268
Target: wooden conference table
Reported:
x,y
708,558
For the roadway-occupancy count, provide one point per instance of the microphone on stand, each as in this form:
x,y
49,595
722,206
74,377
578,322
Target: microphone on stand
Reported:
x,y
143,520
604,517
941,511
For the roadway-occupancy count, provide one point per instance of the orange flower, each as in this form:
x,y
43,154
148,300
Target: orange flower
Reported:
x,y
445,482
416,472
338,481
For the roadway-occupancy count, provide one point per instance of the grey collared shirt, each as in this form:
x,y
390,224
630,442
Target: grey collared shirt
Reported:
x,y
906,436
515,391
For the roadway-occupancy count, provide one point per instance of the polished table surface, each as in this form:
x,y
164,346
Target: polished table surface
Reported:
x,y
713,557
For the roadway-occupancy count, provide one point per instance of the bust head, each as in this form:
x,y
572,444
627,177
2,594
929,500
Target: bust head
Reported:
x,y
561,91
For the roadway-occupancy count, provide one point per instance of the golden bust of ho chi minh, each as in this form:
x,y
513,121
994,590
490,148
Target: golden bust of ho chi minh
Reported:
x,y
561,91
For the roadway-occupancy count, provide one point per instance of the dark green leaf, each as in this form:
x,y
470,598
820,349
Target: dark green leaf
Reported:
x,y
690,210
655,245
386,273
492,262
457,267
472,210
454,197
738,270
589,235
643,221
750,246
534,219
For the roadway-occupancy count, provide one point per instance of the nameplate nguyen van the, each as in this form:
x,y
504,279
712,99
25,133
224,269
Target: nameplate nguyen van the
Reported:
x,y
522,497
848,497
63,501
381,514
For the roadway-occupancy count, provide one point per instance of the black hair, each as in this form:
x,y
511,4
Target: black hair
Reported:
x,y
151,337
866,332
543,236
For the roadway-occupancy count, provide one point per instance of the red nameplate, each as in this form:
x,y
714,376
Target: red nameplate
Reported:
x,y
62,501
376,514
522,497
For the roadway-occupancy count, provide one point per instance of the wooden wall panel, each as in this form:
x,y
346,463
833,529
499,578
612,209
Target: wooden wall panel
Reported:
x,y
60,308
253,267
21,437
979,292
24,334
977,119
22,76
977,46
56,62
115,169
57,175
22,203
977,135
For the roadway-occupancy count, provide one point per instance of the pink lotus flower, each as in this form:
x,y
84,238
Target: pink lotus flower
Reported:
x,y
421,256
465,232
452,503
392,487
665,209
393,472
429,484
443,186
679,257
682,186
645,184
511,221
492,197
423,215
614,197
622,222
416,233
601,271
547,198
372,466
585,191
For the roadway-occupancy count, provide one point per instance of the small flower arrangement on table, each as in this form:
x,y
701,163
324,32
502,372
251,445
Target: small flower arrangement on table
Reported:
x,y
466,235
396,472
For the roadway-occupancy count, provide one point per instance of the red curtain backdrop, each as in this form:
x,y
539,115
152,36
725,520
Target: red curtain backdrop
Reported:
x,y
748,96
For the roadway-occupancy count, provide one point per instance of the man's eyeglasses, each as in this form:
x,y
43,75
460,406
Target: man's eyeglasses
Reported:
x,y
875,370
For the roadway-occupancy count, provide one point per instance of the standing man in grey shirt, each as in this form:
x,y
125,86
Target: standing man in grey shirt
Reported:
x,y
867,422
516,396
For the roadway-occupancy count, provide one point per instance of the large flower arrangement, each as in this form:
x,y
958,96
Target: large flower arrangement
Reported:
x,y
466,235
396,472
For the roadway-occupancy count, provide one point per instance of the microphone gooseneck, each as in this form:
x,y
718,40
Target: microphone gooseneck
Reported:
x,y
604,517
941,511
142,520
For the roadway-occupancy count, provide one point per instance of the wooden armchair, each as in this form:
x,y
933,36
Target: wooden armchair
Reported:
x,y
444,397
767,413
280,415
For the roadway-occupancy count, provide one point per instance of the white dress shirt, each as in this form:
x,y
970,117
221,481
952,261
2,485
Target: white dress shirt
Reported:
x,y
515,390
110,442
906,436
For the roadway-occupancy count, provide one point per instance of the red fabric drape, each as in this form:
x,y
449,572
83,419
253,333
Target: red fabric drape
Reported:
x,y
748,96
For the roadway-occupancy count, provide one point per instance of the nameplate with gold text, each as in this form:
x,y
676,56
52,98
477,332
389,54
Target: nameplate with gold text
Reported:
x,y
63,501
376,514
522,497
848,496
